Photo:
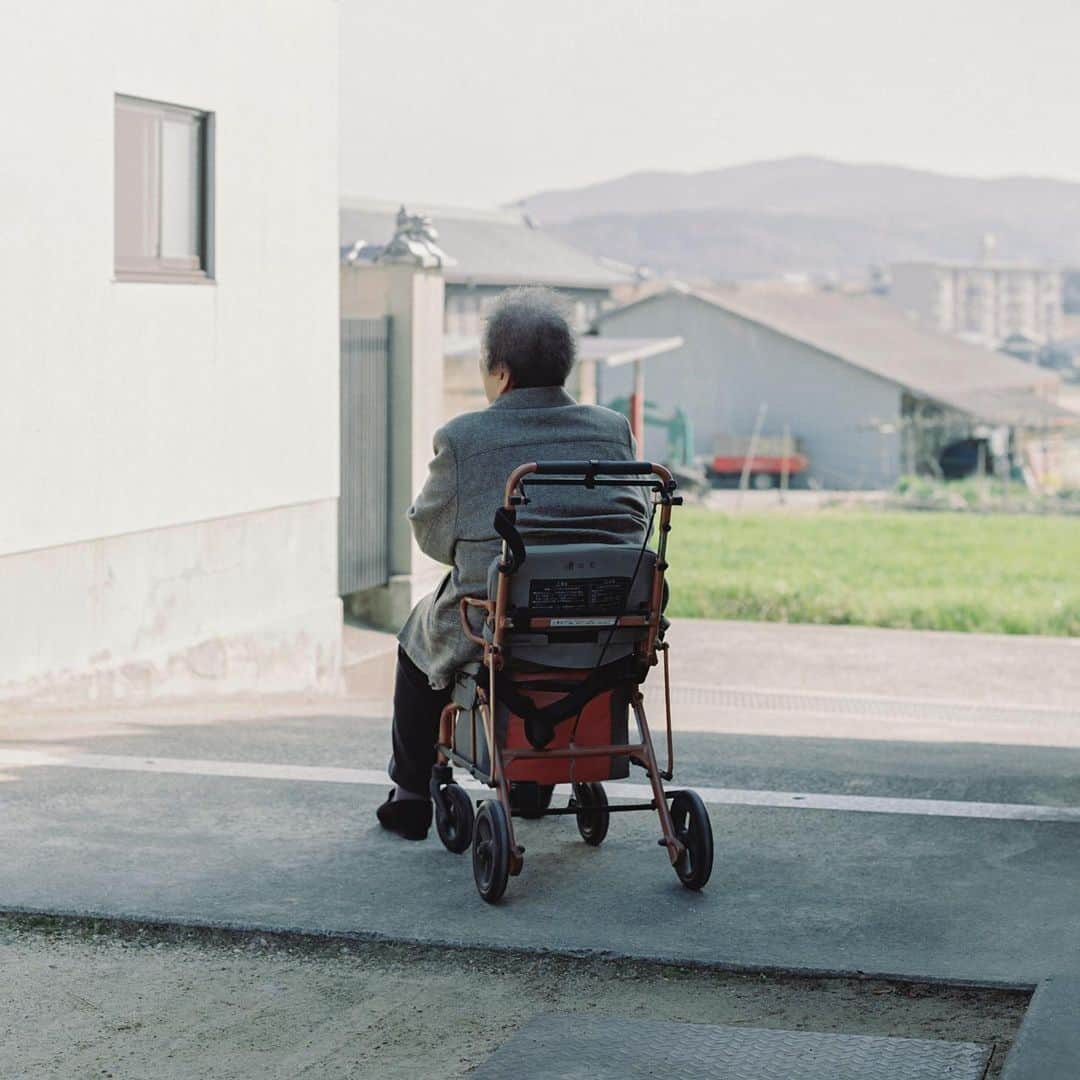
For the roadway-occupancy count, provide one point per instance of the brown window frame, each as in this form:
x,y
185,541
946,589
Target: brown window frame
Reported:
x,y
194,269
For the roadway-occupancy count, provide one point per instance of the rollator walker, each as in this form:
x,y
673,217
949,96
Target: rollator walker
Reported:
x,y
569,633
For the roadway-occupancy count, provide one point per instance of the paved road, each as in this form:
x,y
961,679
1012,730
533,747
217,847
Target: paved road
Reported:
x,y
861,714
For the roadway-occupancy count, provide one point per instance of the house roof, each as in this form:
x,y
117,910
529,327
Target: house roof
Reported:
x,y
872,335
610,351
490,247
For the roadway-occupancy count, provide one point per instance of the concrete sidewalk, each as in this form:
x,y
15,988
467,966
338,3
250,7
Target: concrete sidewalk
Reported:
x,y
988,669
913,894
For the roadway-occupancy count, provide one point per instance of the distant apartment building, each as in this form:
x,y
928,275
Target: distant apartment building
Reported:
x,y
1071,290
984,302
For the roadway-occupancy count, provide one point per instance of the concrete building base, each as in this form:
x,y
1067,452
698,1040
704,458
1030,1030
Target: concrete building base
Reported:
x,y
388,606
231,605
302,654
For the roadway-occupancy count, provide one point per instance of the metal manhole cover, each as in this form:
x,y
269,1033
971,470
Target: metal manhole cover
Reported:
x,y
591,1048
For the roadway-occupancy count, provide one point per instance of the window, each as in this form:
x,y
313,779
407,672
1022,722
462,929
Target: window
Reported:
x,y
162,192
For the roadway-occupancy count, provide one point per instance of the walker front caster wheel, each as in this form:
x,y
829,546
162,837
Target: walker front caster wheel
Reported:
x,y
491,851
454,818
592,812
692,827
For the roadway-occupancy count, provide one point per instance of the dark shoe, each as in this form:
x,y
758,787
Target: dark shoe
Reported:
x,y
410,818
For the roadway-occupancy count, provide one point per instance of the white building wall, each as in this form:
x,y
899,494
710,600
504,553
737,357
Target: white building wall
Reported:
x,y
128,409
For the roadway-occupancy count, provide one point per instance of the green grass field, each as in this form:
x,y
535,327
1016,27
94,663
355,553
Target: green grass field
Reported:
x,y
934,571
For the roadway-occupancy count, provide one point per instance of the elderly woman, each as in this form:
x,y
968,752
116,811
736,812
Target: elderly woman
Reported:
x,y
528,354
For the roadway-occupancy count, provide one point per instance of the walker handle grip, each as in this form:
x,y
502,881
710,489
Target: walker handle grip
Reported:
x,y
594,468
463,610
590,473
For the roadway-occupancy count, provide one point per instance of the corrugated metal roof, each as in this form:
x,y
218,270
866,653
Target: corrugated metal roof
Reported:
x,y
872,335
1015,408
492,247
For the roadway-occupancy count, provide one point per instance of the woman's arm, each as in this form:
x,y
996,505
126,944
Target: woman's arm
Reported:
x,y
433,514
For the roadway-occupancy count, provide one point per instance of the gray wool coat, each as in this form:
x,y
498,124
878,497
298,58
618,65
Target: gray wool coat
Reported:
x,y
452,517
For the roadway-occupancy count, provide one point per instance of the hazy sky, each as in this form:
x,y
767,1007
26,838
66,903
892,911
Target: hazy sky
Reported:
x,y
479,102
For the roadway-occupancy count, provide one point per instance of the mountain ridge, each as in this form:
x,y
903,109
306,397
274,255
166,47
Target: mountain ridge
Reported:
x,y
808,214
741,186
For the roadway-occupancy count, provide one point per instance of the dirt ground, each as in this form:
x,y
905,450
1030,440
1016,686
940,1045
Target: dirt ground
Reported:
x,y
89,999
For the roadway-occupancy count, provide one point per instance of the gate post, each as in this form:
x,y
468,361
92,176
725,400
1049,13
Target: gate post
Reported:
x,y
406,283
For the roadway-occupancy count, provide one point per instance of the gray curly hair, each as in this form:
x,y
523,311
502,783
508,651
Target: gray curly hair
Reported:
x,y
528,331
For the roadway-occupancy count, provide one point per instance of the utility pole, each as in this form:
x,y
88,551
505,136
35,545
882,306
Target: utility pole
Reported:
x,y
637,407
744,479
785,464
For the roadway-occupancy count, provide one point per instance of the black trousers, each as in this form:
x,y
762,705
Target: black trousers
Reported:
x,y
416,726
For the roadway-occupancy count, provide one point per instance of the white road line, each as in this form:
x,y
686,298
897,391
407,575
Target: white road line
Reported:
x,y
792,800
856,699
868,804
252,770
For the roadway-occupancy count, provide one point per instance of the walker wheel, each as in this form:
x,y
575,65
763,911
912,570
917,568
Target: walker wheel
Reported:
x,y
592,813
454,818
491,851
692,827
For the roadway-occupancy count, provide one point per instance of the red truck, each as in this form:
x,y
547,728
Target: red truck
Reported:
x,y
773,457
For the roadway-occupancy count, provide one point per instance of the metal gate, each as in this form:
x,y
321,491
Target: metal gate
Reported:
x,y
363,518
